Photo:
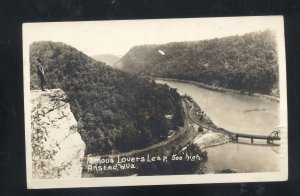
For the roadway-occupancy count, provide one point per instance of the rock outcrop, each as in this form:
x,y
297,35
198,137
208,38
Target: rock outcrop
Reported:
x,y
57,147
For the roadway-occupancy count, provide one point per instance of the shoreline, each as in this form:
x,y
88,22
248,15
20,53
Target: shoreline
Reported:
x,y
208,138
221,89
186,136
211,139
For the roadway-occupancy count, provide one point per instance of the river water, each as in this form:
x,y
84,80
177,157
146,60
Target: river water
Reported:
x,y
242,114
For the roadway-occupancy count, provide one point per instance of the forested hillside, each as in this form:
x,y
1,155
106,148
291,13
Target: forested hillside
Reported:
x,y
115,110
245,63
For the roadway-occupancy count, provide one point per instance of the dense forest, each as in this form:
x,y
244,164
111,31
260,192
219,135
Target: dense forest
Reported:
x,y
245,63
115,111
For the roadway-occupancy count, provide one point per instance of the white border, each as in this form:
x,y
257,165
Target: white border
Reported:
x,y
164,179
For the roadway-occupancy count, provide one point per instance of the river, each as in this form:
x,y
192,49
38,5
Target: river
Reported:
x,y
242,114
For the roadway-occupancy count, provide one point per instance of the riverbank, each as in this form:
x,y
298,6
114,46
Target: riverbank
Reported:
x,y
210,139
233,113
211,135
179,142
221,89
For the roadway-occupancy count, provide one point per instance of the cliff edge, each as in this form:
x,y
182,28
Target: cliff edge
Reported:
x,y
57,147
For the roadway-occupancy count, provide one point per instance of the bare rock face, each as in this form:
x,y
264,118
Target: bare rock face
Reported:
x,y
57,147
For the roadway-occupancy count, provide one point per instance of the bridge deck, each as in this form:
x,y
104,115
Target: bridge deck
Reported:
x,y
257,136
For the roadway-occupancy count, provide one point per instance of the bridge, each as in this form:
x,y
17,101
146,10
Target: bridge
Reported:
x,y
270,138
234,136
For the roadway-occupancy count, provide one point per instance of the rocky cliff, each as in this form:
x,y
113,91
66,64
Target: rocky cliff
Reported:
x,y
57,147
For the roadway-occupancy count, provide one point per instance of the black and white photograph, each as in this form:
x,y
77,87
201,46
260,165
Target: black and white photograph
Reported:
x,y
155,102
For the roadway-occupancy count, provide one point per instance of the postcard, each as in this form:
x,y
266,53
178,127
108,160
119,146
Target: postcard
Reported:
x,y
155,102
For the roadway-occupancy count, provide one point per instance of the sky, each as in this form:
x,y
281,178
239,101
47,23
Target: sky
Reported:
x,y
118,36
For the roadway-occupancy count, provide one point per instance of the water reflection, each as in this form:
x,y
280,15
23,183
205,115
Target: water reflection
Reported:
x,y
243,158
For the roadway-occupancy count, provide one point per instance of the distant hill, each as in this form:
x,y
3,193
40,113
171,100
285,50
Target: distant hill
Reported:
x,y
109,59
115,110
245,63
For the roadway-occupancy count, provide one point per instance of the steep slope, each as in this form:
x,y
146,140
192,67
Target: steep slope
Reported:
x,y
108,59
115,110
57,147
245,63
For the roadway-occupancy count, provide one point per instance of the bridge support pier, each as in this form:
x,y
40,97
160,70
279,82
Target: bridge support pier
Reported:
x,y
251,140
236,137
269,141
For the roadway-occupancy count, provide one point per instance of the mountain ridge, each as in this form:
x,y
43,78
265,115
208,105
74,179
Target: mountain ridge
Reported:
x,y
109,59
245,63
116,111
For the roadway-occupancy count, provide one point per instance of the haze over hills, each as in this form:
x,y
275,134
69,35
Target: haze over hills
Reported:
x,y
109,59
245,63
115,111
